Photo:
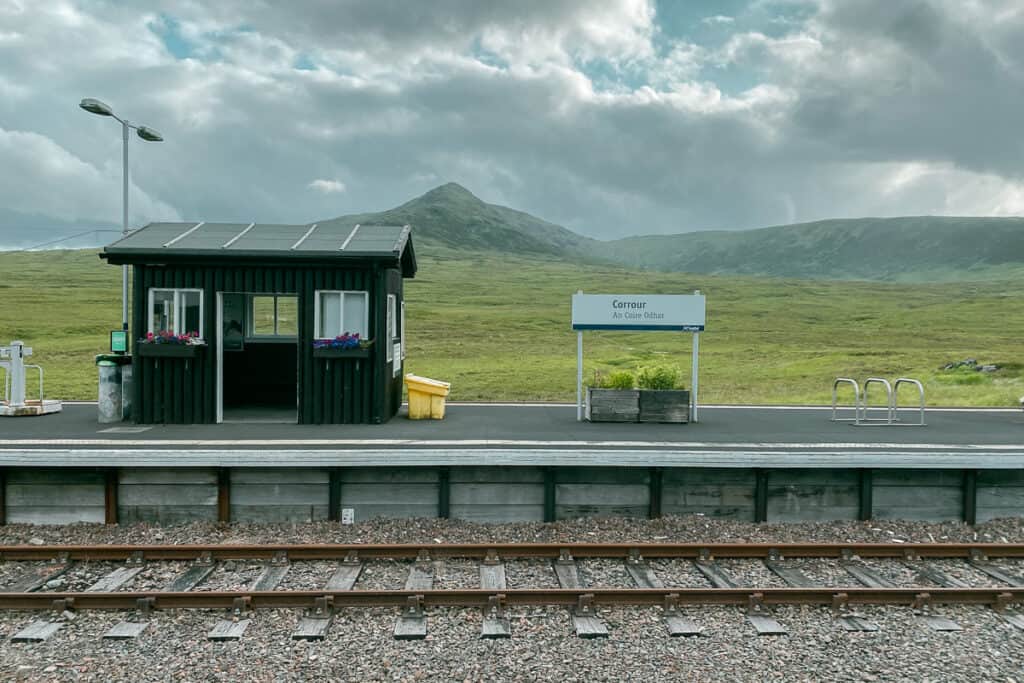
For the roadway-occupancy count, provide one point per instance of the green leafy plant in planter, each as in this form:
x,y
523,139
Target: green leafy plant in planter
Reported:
x,y
612,397
657,377
620,379
660,400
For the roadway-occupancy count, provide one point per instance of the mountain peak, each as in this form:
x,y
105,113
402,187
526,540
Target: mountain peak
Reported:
x,y
450,191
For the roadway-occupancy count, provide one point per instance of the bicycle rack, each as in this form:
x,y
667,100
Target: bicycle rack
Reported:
x,y
860,403
856,400
895,400
889,411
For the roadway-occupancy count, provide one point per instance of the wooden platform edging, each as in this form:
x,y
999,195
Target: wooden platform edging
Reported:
x,y
499,494
110,486
970,496
865,488
224,495
760,495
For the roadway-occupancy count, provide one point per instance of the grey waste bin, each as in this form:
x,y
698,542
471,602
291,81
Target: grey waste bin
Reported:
x,y
111,394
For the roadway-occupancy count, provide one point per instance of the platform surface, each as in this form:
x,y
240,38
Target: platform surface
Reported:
x,y
503,434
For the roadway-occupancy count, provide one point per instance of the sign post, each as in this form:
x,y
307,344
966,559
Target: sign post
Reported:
x,y
638,312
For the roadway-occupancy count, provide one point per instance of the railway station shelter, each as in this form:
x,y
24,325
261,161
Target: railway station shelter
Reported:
x,y
277,323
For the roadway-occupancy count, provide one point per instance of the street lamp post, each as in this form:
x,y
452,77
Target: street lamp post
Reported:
x,y
149,135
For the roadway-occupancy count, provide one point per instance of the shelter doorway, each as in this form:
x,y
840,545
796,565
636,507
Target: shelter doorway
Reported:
x,y
257,357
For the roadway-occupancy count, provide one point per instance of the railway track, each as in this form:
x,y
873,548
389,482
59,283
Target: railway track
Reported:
x,y
32,580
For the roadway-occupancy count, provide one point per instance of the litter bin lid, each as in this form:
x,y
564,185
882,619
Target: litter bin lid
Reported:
x,y
108,359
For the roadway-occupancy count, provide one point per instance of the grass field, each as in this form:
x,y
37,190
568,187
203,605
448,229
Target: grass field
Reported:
x,y
498,328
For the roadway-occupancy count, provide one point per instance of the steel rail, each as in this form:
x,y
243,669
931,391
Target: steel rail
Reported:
x,y
510,550
997,597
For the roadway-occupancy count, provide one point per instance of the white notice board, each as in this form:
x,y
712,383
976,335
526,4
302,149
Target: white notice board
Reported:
x,y
678,312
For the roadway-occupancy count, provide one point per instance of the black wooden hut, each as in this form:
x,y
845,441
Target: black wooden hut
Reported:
x,y
259,297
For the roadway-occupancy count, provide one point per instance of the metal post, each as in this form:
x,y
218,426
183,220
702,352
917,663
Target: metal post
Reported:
x,y
760,495
17,370
3,498
654,493
549,494
334,495
970,496
579,376
444,495
694,370
223,495
693,379
865,490
124,223
110,491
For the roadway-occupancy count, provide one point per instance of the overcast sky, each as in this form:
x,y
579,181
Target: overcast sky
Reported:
x,y
611,117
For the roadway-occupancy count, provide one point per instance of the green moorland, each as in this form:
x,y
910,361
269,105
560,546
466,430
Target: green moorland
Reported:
x,y
497,327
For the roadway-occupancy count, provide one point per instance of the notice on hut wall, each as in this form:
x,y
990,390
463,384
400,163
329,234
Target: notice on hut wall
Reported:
x,y
679,312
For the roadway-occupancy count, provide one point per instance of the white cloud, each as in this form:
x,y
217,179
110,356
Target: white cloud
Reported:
x,y
718,19
327,186
40,176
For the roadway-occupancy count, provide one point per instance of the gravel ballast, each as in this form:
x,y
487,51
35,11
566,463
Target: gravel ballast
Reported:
x,y
360,645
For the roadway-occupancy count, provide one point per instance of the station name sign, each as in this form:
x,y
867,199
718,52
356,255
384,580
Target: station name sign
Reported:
x,y
676,312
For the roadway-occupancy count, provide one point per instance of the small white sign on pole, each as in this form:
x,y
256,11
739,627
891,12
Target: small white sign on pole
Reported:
x,y
638,312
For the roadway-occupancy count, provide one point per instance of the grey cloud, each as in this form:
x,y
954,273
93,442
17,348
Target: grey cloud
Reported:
x,y
247,134
935,90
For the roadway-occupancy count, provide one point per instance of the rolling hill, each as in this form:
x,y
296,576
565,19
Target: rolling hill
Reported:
x,y
920,249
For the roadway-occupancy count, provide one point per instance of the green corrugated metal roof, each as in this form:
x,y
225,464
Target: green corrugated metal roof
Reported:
x,y
331,240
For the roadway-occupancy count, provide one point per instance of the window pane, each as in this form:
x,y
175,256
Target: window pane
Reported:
x,y
330,316
162,313
263,315
191,320
287,316
355,313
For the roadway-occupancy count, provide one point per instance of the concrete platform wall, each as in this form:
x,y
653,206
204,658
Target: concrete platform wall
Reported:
x,y
501,494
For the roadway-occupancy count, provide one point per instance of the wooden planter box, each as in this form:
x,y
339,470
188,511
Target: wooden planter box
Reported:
x,y
168,350
665,405
328,353
613,405
638,405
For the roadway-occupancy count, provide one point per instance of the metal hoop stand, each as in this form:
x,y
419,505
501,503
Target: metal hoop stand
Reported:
x,y
860,402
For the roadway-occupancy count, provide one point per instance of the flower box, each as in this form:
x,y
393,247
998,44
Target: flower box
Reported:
x,y
329,353
168,350
664,405
613,405
638,405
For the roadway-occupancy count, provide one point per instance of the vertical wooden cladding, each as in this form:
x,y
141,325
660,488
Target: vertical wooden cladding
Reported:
x,y
176,390
337,391
389,281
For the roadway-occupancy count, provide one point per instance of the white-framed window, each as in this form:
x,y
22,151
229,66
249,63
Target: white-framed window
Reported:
x,y
178,311
402,330
392,326
273,315
337,312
